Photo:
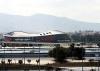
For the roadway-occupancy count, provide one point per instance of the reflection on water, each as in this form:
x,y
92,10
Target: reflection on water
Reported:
x,y
23,70
65,69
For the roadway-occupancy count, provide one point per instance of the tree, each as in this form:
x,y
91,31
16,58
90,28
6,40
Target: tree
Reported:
x,y
71,50
59,53
72,45
98,44
2,62
76,52
92,70
37,61
91,60
29,61
20,62
9,61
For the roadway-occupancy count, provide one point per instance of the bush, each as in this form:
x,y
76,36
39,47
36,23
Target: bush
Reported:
x,y
29,61
2,62
20,62
59,53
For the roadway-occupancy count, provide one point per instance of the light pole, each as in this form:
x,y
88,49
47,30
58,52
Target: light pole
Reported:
x,y
24,55
98,54
82,49
38,60
39,57
82,57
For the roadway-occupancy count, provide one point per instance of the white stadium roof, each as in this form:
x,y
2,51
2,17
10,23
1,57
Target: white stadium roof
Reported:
x,y
24,34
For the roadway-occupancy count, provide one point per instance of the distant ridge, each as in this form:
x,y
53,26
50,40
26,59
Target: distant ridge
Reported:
x,y
42,22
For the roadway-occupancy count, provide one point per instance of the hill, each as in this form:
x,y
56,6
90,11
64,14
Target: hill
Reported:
x,y
42,22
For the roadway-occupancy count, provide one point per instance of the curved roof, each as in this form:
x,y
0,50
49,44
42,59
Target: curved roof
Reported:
x,y
24,34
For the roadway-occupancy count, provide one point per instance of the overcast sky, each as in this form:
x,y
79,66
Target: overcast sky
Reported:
x,y
84,10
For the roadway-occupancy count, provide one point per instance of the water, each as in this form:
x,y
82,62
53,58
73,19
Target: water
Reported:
x,y
23,70
65,69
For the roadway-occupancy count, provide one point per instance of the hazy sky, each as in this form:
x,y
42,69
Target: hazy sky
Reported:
x,y
84,10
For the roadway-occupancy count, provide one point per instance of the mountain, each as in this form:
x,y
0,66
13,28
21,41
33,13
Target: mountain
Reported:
x,y
42,22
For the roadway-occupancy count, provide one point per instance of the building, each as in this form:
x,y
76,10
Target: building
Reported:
x,y
28,39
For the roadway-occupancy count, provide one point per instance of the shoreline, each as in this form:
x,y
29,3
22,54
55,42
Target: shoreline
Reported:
x,y
46,66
